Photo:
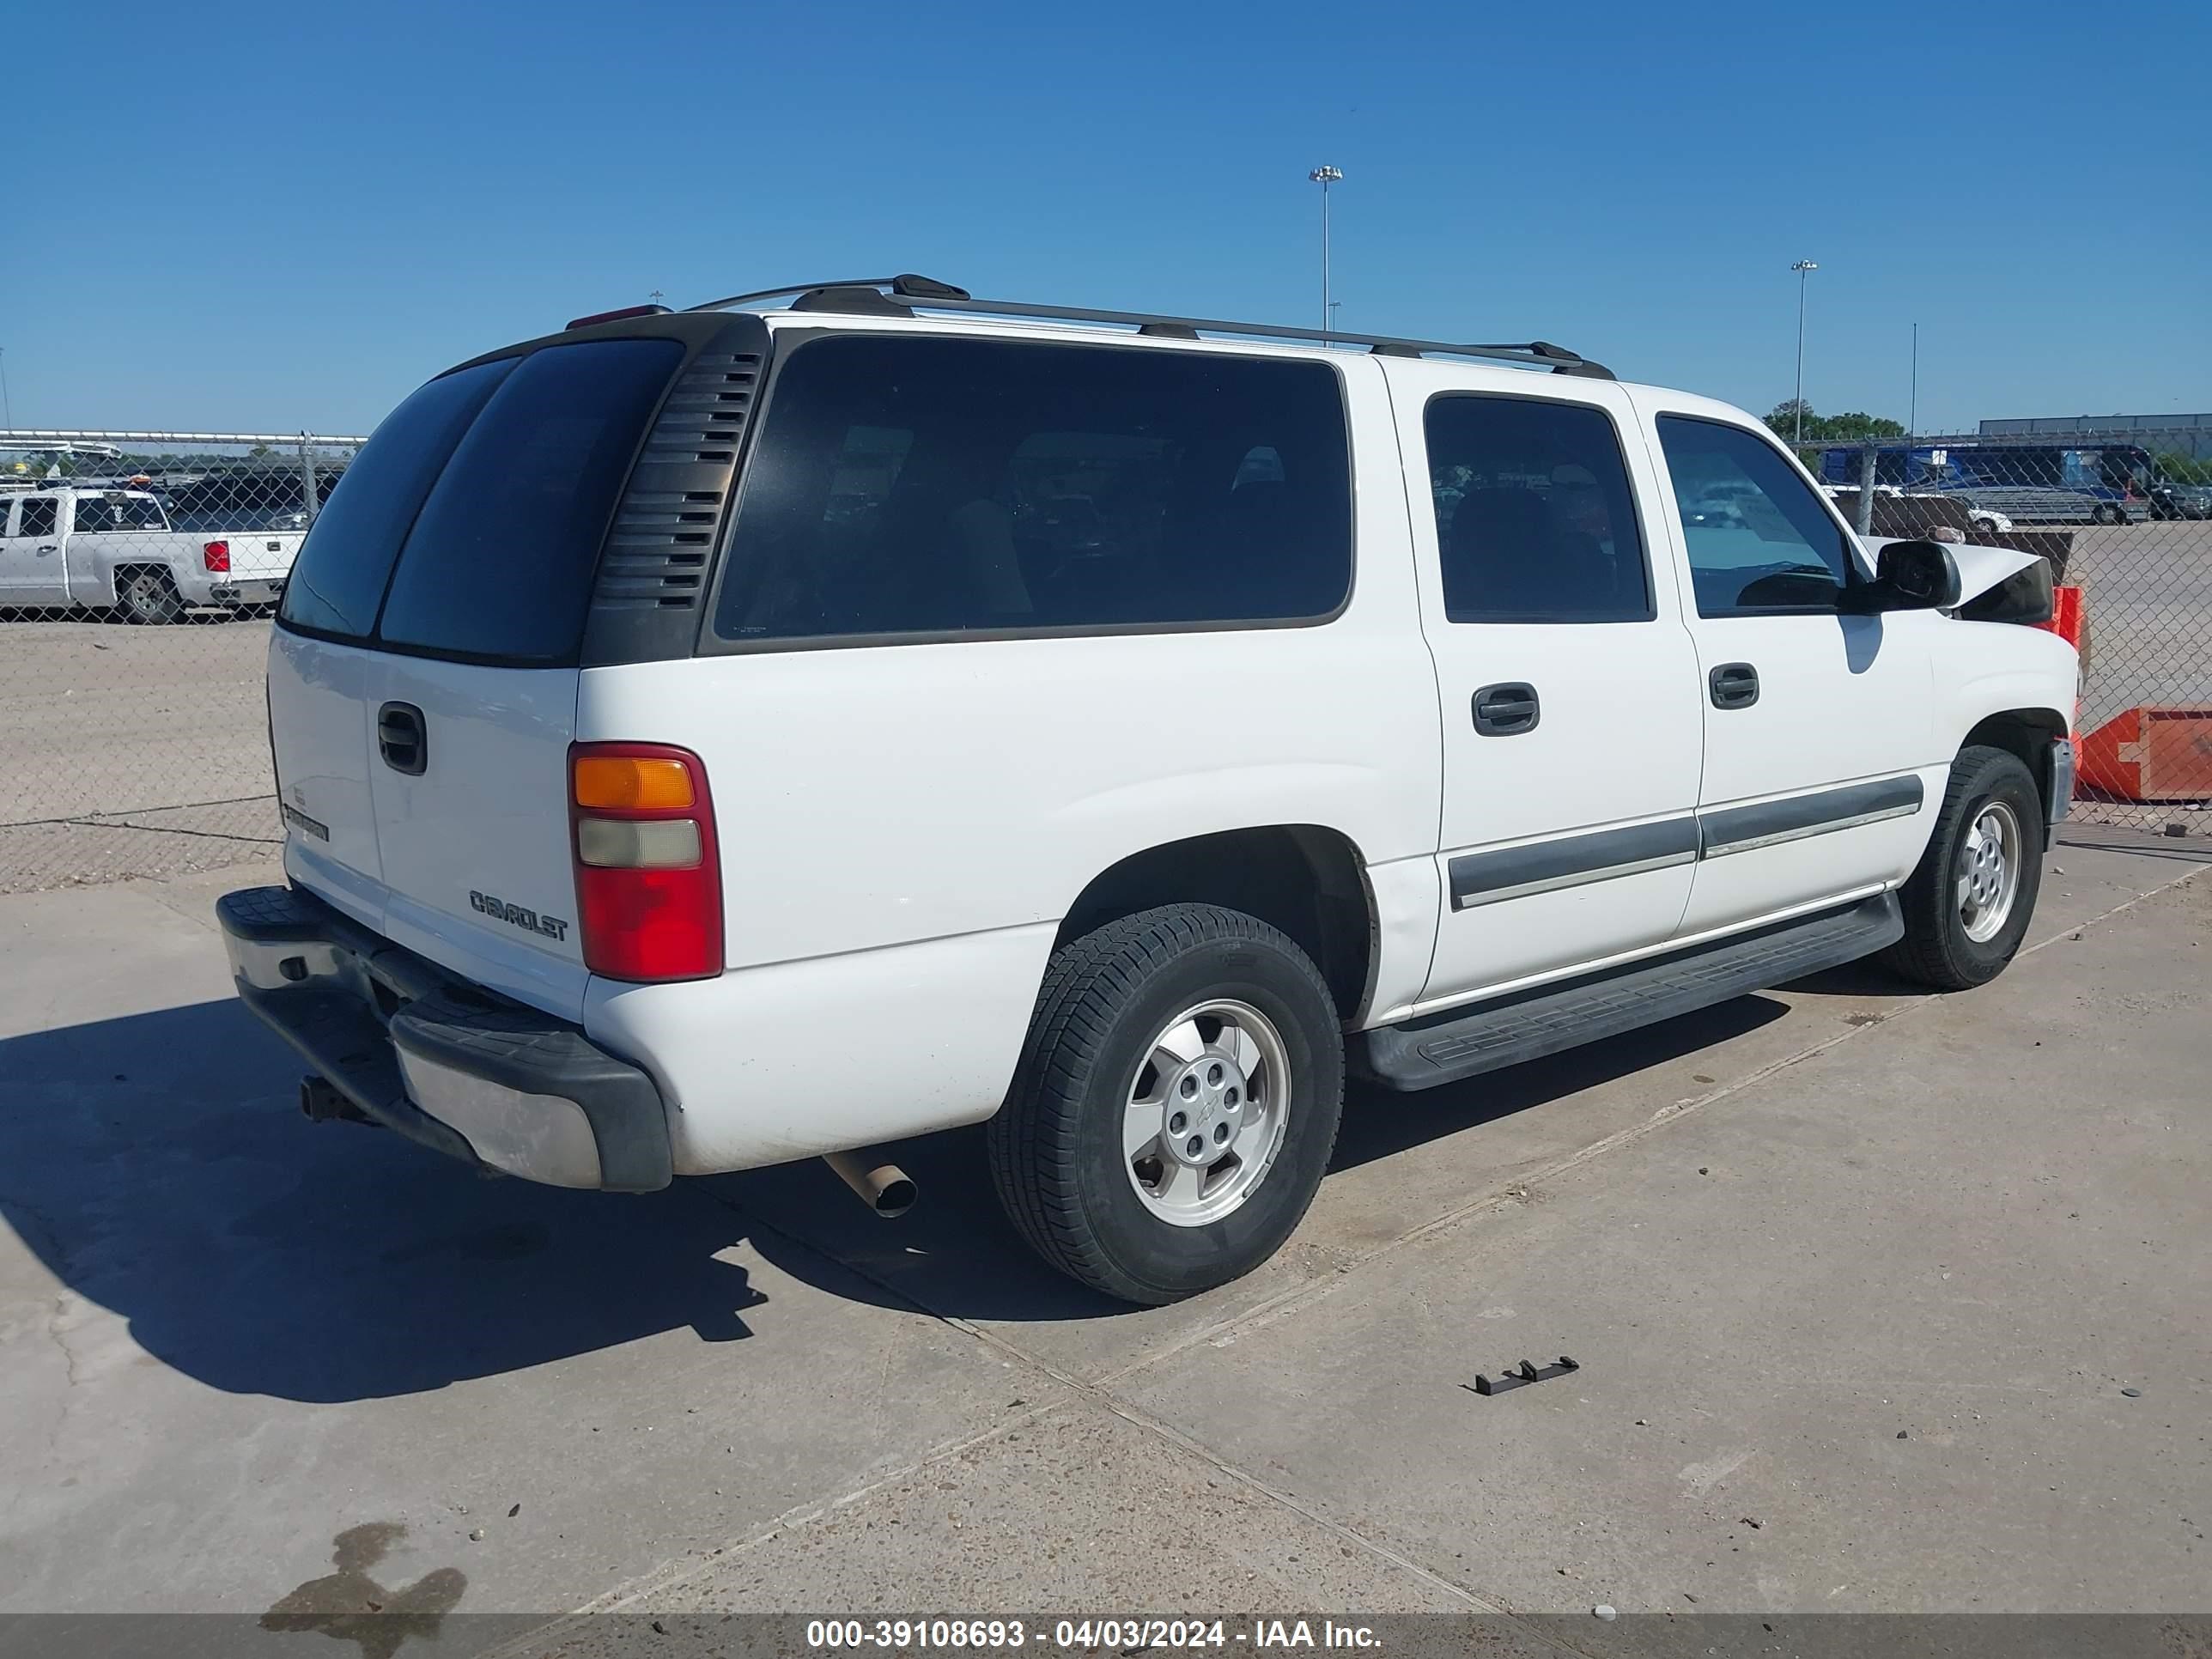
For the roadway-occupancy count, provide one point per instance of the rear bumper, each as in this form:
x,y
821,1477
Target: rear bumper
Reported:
x,y
438,1058
247,593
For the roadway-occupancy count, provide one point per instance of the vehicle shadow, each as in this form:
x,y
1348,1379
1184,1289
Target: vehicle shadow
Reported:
x,y
956,1255
158,1166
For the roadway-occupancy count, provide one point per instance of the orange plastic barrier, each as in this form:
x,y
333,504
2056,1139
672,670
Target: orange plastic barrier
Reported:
x,y
2158,752
2066,616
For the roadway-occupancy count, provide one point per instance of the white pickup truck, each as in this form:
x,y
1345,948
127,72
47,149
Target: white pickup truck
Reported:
x,y
100,548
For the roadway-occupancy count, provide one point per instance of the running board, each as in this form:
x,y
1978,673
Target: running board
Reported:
x,y
1527,1025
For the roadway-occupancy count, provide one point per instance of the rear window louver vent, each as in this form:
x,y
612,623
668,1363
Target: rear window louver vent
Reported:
x,y
663,538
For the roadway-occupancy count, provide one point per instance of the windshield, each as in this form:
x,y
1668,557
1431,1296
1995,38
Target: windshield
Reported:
x,y
95,513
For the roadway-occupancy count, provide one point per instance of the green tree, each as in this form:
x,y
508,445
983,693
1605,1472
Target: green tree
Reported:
x,y
1785,415
1856,426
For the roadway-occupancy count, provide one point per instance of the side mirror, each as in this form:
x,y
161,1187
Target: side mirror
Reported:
x,y
1915,575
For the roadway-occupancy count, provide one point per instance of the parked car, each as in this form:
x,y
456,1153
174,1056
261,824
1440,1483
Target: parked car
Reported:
x,y
668,790
2181,501
1986,519
79,547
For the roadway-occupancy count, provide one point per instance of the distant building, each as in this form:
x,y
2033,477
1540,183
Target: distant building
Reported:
x,y
2162,434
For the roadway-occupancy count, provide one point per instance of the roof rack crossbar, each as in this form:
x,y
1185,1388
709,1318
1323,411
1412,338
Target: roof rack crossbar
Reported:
x,y
906,286
920,294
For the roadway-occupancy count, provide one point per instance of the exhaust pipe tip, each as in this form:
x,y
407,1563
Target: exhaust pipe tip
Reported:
x,y
321,1101
884,1188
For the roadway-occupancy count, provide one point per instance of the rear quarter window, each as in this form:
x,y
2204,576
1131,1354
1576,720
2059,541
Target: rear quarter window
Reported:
x,y
949,486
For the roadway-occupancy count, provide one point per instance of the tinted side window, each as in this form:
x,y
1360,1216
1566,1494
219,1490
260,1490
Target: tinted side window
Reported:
x,y
1758,539
500,560
1535,522
909,485
339,580
39,516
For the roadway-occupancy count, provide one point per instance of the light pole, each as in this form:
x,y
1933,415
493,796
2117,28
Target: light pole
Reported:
x,y
1912,405
7,403
1325,177
1804,268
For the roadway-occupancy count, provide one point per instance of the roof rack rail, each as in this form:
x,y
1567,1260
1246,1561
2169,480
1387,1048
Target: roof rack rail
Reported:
x,y
902,295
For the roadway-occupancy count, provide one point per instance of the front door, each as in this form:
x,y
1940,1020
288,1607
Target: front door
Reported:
x,y
1819,770
1569,686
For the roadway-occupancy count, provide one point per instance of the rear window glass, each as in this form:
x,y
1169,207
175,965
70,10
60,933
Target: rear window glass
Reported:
x,y
98,513
339,580
500,560
907,485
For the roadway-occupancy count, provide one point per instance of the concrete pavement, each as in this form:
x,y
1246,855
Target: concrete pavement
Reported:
x,y
1781,1234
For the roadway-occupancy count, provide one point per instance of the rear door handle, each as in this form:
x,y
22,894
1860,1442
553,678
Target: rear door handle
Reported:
x,y
1506,710
1733,685
402,738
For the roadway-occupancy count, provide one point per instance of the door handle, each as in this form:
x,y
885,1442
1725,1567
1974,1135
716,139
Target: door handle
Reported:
x,y
50,547
1733,685
402,738
1506,710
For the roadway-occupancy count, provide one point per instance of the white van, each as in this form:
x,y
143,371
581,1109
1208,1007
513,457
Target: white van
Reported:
x,y
723,737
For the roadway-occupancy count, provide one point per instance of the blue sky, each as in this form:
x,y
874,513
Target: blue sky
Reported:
x,y
286,217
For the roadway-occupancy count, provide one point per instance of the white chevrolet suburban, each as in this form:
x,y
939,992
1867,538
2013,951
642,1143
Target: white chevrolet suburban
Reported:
x,y
723,737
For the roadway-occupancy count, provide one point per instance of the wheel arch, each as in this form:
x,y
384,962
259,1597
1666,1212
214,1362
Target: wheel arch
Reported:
x,y
122,570
1308,880
2027,733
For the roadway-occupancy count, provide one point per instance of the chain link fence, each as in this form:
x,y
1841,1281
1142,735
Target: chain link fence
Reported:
x,y
2124,516
138,571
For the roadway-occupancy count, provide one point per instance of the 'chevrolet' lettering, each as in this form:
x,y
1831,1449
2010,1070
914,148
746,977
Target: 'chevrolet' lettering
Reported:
x,y
518,916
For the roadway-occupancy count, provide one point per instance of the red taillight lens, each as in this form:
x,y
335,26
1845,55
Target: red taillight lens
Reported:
x,y
649,878
216,557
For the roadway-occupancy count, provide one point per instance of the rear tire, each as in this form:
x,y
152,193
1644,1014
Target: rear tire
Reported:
x,y
1968,905
148,598
1176,1104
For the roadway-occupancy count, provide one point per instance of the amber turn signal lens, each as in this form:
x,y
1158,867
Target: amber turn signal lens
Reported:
x,y
635,781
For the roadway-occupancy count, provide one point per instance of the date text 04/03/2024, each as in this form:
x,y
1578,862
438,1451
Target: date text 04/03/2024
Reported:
x,y
1119,1635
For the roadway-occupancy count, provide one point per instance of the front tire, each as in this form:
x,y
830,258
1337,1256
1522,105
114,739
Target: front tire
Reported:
x,y
1176,1105
1968,905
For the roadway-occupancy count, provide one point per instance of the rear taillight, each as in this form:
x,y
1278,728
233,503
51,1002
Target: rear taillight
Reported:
x,y
648,880
216,555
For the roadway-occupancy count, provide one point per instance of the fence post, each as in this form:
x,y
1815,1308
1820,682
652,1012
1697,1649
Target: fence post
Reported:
x,y
307,475
1866,491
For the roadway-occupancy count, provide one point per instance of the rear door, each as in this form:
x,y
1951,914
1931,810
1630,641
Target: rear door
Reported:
x,y
476,692
31,563
325,672
1569,686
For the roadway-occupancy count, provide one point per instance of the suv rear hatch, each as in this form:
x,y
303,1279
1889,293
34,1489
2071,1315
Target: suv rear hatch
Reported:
x,y
542,508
